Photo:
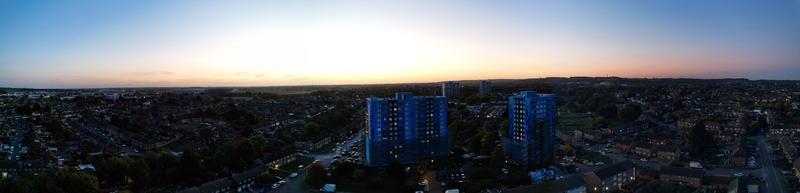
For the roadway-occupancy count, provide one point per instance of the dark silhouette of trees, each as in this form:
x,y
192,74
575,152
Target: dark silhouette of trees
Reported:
x,y
77,182
238,155
317,174
498,158
190,167
53,182
608,111
700,140
488,142
630,112
118,171
327,123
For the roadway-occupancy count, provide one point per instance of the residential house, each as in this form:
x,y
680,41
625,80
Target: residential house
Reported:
x,y
668,153
739,158
716,182
569,184
724,137
610,178
623,146
221,185
643,150
588,134
789,148
743,185
645,174
682,176
247,179
735,127
685,125
713,126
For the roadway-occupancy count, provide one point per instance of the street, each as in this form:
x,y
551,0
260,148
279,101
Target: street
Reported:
x,y
773,177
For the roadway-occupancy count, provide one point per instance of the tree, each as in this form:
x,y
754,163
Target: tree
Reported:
x,y
700,140
475,143
266,178
317,174
608,111
21,186
630,112
568,145
488,143
396,173
205,134
756,125
140,174
78,182
113,170
247,151
498,158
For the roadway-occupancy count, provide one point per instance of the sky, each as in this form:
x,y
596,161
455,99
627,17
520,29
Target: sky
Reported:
x,y
148,43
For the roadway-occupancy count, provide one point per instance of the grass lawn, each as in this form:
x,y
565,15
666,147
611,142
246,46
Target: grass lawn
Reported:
x,y
325,148
239,98
572,121
281,173
291,167
189,127
594,157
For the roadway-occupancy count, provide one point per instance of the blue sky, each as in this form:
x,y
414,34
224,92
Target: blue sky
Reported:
x,y
67,44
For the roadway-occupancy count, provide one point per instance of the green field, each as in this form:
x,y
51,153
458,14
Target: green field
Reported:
x,y
325,148
244,98
571,121
594,157
190,127
291,167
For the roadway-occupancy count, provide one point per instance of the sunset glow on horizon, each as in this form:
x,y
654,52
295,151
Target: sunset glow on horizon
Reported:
x,y
77,44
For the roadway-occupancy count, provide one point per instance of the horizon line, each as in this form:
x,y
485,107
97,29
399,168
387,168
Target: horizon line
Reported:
x,y
394,83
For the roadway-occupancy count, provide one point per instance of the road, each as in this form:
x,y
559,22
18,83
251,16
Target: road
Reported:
x,y
775,181
296,185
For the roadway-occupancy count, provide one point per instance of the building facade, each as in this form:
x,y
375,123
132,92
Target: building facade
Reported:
x,y
531,129
611,178
406,129
682,176
451,89
485,88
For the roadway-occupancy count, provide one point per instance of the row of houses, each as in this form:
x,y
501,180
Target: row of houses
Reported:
x,y
607,179
308,145
647,150
623,130
240,182
722,131
789,146
615,177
